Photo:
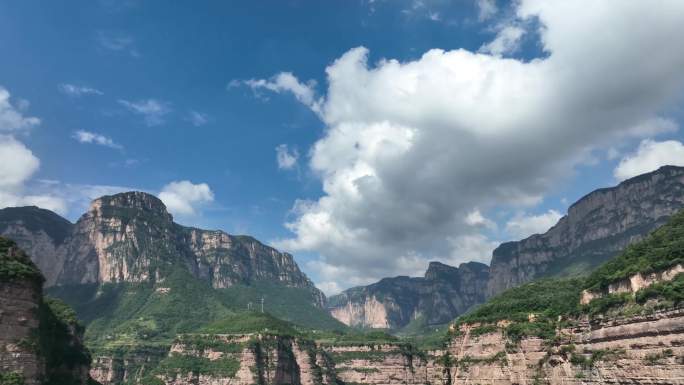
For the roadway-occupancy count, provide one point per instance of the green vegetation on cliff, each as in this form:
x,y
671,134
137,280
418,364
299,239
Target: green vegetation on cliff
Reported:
x,y
250,322
546,298
16,265
539,307
660,250
125,315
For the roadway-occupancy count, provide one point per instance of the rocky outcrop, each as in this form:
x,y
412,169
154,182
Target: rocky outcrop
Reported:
x,y
625,350
437,298
634,283
386,364
596,228
19,304
130,237
40,340
642,349
217,359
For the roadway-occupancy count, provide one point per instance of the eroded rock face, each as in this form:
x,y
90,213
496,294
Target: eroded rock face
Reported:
x,y
19,303
37,344
38,232
244,360
633,350
130,237
440,296
645,349
634,283
596,228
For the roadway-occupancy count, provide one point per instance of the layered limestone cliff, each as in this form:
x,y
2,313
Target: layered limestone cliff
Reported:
x,y
217,359
634,283
386,364
437,298
596,228
40,341
130,237
645,349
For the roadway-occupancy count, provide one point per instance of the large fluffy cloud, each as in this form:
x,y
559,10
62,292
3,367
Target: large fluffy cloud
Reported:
x,y
649,156
183,197
11,117
17,163
17,166
522,226
412,147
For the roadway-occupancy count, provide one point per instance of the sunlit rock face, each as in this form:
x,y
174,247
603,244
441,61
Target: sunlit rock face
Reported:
x,y
437,298
596,228
131,237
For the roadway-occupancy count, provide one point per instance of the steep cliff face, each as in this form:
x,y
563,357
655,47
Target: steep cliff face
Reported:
x,y
40,340
596,228
636,350
437,298
130,237
643,349
217,359
39,232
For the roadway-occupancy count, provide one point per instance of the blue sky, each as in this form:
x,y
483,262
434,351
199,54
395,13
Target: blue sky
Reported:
x,y
184,97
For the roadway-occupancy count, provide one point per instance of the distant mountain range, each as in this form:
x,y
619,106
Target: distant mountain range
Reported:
x,y
596,228
130,237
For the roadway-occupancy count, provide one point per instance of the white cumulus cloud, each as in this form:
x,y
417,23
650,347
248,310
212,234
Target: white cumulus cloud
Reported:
x,y
17,165
506,41
11,117
411,147
649,157
522,226
184,197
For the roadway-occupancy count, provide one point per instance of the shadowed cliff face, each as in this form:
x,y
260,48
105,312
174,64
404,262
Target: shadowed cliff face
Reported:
x,y
440,296
596,228
40,339
130,237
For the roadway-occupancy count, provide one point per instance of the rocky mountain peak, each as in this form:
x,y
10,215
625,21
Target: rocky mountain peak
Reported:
x,y
597,227
129,204
438,270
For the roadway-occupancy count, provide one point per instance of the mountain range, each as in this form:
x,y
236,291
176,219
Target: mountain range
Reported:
x,y
148,289
130,238
596,228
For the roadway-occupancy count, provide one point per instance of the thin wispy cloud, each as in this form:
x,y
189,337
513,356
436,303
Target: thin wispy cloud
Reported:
x,y
88,137
77,91
153,111
197,118
286,157
284,82
117,42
